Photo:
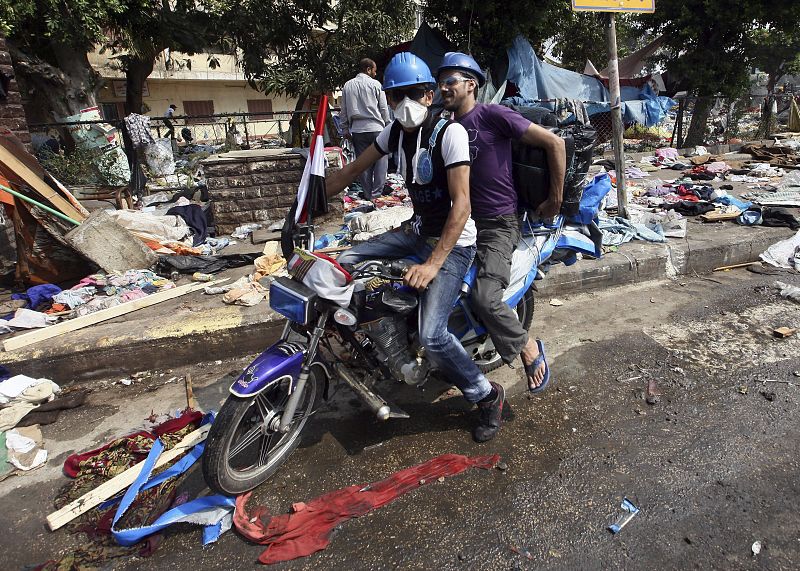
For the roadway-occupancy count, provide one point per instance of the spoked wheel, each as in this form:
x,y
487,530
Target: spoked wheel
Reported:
x,y
485,355
245,447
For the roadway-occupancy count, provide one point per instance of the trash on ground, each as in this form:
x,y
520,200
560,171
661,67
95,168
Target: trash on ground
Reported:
x,y
756,548
790,292
556,302
783,332
630,511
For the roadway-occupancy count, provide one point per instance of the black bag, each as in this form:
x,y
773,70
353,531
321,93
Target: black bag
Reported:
x,y
529,164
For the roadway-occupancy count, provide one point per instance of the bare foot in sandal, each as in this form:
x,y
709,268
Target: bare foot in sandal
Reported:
x,y
529,354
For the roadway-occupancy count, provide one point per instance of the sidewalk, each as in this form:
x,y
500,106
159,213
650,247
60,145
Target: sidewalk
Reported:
x,y
198,328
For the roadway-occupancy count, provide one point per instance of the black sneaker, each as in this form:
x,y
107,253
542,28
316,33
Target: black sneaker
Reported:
x,y
489,416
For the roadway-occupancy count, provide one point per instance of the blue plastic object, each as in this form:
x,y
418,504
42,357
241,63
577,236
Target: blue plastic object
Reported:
x,y
406,69
463,62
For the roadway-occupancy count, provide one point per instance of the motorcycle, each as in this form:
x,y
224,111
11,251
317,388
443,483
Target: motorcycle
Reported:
x,y
358,329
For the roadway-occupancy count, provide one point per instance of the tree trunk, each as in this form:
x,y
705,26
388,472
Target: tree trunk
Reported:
x,y
136,73
295,124
56,91
697,128
768,123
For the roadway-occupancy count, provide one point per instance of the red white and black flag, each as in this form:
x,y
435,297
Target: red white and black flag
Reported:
x,y
311,198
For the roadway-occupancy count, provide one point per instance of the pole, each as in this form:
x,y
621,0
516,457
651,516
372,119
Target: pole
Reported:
x,y
616,115
39,204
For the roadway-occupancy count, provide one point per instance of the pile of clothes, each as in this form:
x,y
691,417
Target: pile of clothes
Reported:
x,y
46,303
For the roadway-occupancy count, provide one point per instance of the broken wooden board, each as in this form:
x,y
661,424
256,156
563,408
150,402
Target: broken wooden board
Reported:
x,y
100,239
14,166
118,483
103,315
261,236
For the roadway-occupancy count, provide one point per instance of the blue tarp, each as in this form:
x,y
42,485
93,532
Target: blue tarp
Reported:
x,y
537,80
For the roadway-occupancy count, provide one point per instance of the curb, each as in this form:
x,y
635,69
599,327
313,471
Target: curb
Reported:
x,y
103,356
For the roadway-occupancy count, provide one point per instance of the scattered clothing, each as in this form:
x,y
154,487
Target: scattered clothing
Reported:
x,y
781,254
29,319
779,218
14,388
138,127
204,264
618,230
195,218
25,450
690,208
309,527
37,296
48,412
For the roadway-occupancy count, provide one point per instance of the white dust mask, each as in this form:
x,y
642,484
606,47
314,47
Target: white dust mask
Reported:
x,y
410,114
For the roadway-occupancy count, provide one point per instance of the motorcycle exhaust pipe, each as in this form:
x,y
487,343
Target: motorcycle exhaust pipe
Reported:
x,y
375,403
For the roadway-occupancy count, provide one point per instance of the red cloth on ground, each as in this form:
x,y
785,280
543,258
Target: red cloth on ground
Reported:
x,y
308,528
72,465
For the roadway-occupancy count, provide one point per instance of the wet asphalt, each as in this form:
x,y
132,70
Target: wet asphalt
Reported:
x,y
659,396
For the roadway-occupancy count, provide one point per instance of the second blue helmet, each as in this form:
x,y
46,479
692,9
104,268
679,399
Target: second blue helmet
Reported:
x,y
463,62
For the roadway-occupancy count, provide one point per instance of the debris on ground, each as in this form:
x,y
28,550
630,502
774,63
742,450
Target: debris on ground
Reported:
x,y
783,332
630,511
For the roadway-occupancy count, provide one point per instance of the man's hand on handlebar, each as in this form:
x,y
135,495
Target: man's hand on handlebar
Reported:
x,y
420,275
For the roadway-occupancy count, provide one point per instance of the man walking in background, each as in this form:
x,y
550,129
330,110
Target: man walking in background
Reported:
x,y
363,116
170,113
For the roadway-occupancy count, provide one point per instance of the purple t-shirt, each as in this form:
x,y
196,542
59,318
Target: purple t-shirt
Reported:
x,y
490,129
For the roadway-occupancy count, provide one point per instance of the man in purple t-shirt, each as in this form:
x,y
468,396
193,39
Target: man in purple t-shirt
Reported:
x,y
491,129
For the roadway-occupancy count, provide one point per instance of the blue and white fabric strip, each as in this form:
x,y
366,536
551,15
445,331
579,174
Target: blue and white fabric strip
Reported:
x,y
214,513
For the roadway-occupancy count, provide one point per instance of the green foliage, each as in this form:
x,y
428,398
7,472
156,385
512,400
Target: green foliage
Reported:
x,y
313,46
712,44
487,27
82,166
776,48
37,23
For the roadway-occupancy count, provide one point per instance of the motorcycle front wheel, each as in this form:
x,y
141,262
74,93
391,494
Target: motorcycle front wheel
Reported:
x,y
244,446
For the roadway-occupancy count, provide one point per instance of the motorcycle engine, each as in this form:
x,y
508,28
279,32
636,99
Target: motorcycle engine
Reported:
x,y
390,336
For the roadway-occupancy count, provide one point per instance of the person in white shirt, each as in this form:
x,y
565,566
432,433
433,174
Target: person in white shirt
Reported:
x,y
364,113
168,121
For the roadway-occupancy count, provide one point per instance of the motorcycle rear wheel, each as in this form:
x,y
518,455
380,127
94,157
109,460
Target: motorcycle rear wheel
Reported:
x,y
524,311
244,448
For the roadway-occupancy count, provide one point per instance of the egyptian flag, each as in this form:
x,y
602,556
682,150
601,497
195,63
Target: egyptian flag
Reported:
x,y
311,198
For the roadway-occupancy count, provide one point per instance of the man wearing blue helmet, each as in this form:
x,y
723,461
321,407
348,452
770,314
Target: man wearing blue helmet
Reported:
x,y
432,155
491,128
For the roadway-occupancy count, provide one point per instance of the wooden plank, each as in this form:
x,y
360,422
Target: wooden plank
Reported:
x,y
102,315
118,483
734,266
16,166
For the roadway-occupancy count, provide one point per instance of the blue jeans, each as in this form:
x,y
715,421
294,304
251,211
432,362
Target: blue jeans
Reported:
x,y
442,347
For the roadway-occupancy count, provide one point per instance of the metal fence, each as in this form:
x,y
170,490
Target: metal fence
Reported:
x,y
243,130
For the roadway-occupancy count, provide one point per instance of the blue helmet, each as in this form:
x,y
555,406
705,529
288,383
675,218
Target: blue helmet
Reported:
x,y
406,69
462,62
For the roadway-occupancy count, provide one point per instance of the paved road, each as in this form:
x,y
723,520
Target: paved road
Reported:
x,y
713,464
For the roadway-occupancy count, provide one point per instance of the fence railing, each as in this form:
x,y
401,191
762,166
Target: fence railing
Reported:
x,y
249,130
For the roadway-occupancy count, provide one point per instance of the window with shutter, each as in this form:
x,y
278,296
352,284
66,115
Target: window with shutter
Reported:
x,y
197,109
